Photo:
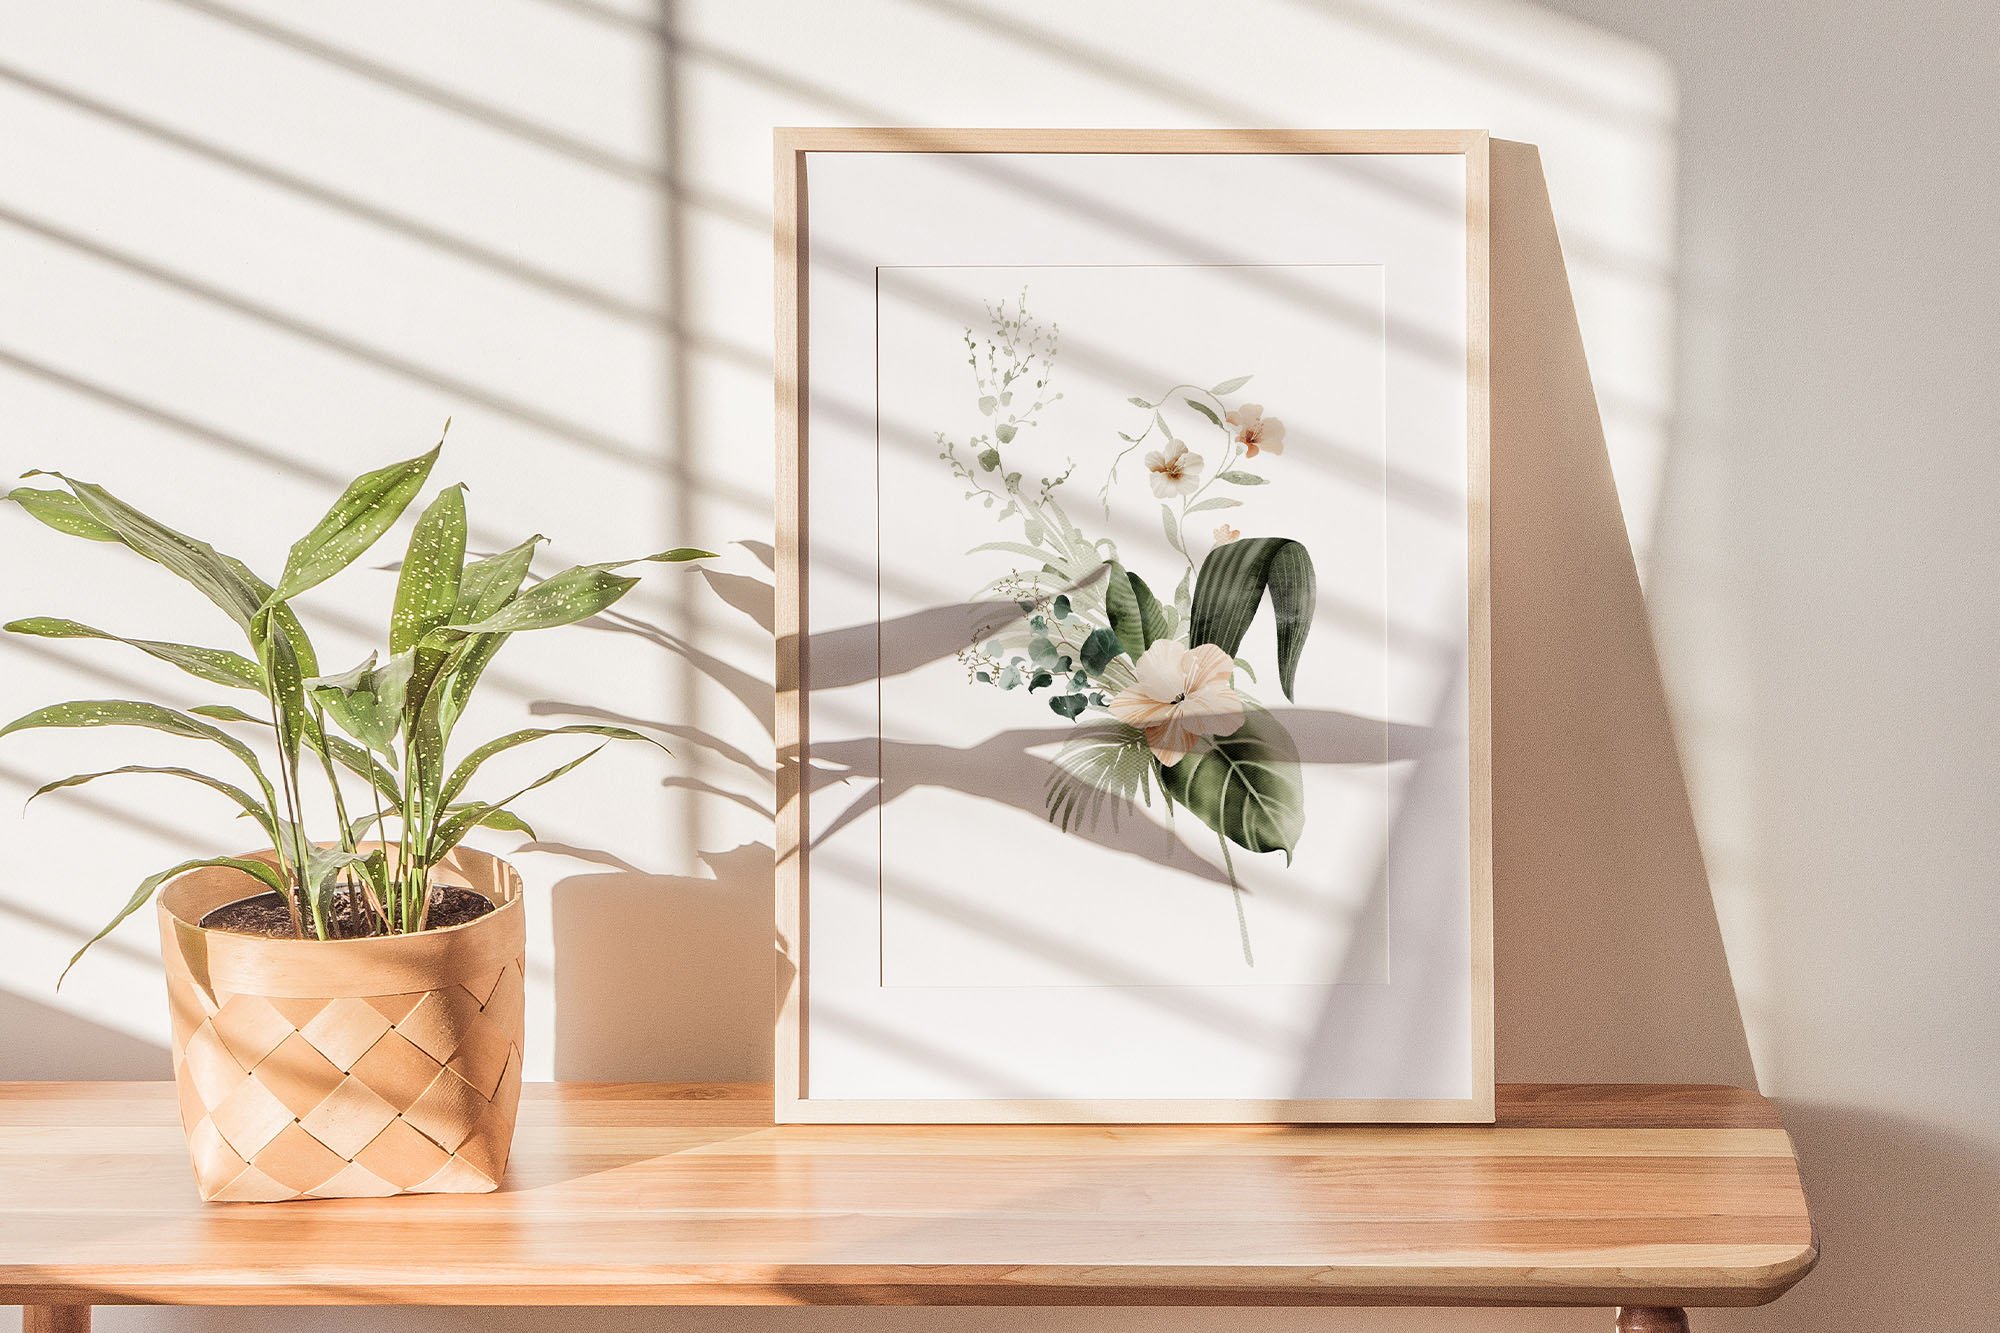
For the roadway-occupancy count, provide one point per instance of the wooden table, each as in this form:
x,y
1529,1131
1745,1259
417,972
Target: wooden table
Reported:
x,y
1652,1198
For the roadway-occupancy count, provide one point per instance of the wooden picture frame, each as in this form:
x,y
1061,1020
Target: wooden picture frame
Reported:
x,y
796,1101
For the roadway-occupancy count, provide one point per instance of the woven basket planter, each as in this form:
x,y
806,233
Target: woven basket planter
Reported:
x,y
346,1068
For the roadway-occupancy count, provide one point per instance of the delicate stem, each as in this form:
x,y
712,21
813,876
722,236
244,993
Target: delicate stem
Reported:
x,y
1104,491
332,780
407,856
287,777
381,905
1236,892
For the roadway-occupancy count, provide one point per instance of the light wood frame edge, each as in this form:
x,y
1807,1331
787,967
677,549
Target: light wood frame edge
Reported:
x,y
789,231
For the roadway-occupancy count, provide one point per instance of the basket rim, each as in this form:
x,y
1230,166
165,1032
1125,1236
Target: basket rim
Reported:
x,y
504,908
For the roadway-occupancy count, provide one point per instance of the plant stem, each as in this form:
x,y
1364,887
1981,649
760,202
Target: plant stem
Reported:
x,y
410,834
333,781
287,777
1236,892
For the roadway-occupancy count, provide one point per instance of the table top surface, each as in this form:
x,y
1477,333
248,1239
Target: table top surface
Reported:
x,y
637,1194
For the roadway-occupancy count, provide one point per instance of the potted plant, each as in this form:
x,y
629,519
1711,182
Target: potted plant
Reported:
x,y
347,1010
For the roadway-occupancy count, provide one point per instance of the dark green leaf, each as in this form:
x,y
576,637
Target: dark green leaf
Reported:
x,y
218,666
1234,579
368,507
1245,786
1121,604
1068,705
1099,648
1154,618
1136,614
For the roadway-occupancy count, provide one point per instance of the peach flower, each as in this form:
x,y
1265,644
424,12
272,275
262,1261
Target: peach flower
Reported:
x,y
1256,432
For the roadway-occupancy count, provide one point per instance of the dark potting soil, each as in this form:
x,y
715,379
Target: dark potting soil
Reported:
x,y
351,918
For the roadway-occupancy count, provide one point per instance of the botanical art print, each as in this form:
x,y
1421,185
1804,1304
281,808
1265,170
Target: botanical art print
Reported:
x,y
1145,664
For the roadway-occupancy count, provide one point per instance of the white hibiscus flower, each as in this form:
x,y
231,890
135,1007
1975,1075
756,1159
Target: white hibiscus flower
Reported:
x,y
1180,694
1175,471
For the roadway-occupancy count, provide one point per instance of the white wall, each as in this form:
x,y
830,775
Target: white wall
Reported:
x,y
249,248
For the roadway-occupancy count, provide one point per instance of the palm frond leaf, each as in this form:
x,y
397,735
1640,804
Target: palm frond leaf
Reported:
x,y
1103,765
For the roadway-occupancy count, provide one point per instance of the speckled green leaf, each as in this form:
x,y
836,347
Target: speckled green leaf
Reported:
x,y
133,713
257,869
196,561
249,804
468,766
427,590
218,666
368,507
61,511
488,584
573,595
462,819
367,701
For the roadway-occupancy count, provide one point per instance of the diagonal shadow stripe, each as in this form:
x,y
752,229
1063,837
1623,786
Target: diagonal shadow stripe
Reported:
x,y
389,220
571,431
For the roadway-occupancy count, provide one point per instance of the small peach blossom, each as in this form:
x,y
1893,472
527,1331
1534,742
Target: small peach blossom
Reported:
x,y
1256,432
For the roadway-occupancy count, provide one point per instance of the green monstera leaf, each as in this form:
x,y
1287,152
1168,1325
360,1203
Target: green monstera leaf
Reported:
x,y
1245,786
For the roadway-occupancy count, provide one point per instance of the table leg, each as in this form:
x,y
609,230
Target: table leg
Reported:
x,y
1652,1319
55,1319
